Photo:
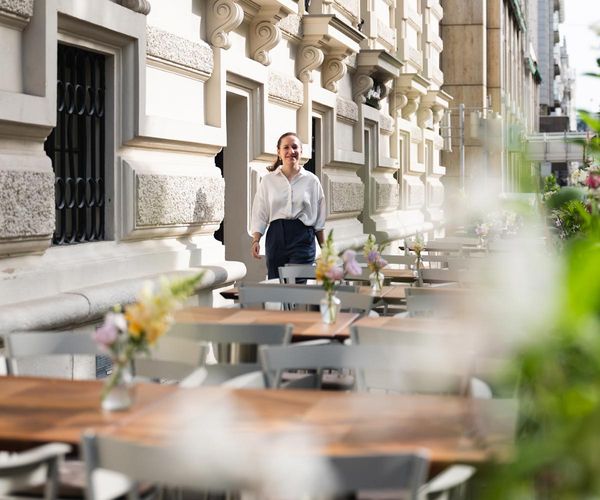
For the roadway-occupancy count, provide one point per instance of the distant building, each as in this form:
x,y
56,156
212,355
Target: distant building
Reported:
x,y
490,65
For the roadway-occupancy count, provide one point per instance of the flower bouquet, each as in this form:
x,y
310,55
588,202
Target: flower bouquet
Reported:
x,y
129,331
376,263
331,270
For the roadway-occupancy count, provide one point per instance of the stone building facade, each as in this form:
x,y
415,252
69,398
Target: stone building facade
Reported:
x,y
490,66
174,109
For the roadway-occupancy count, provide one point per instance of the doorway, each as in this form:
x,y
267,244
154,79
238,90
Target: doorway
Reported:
x,y
235,166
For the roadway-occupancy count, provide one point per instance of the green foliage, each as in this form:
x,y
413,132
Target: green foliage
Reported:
x,y
563,196
550,184
558,447
571,219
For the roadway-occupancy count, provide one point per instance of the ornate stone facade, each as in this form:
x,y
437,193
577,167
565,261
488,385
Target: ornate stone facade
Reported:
x,y
26,204
286,89
21,8
172,48
174,200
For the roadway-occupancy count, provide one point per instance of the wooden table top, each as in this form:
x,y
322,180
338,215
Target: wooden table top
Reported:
x,y
392,294
411,324
307,324
453,429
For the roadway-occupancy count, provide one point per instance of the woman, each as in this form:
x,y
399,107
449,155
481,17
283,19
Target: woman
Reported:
x,y
290,202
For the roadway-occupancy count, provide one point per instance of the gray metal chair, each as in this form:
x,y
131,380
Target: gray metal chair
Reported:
x,y
235,344
23,348
291,273
171,359
257,294
19,472
387,368
434,303
193,470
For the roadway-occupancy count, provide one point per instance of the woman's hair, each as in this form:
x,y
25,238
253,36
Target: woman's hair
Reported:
x,y
278,160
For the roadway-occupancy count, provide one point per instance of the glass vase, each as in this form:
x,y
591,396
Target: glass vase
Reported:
x,y
418,274
118,393
329,307
376,281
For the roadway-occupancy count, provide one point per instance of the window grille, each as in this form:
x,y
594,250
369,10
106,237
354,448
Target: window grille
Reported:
x,y
77,146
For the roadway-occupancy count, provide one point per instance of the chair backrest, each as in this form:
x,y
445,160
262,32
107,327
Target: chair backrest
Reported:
x,y
171,358
31,468
290,273
191,469
405,260
402,474
434,303
225,338
35,344
300,295
391,368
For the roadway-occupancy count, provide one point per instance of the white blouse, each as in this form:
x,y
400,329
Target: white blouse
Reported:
x,y
277,198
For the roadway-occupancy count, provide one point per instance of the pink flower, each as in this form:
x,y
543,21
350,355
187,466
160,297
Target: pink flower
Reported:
x,y
349,255
109,331
593,180
350,264
335,273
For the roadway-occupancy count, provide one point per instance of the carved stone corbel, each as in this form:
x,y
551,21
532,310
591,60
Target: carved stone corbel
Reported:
x,y
141,6
310,57
264,35
362,83
223,16
400,100
334,69
412,104
438,113
424,114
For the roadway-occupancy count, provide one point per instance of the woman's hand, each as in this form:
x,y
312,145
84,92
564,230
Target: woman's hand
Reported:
x,y
255,245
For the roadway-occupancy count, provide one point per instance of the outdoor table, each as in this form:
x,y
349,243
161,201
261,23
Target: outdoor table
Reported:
x,y
307,324
453,429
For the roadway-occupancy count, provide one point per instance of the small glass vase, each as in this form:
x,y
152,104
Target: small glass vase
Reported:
x,y
418,275
376,281
118,392
329,307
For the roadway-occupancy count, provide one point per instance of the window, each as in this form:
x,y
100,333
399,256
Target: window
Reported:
x,y
77,147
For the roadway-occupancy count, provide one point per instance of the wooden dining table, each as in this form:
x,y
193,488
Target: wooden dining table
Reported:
x,y
307,324
452,429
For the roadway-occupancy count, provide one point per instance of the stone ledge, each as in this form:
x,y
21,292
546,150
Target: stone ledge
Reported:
x,y
86,305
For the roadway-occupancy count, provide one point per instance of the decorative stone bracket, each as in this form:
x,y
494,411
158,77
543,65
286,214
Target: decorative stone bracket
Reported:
x,y
431,108
309,57
222,17
336,41
141,6
377,65
265,32
409,87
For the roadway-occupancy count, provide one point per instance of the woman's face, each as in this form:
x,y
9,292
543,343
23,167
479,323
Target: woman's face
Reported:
x,y
290,149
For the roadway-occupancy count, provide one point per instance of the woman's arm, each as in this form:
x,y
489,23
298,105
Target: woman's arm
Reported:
x,y
320,234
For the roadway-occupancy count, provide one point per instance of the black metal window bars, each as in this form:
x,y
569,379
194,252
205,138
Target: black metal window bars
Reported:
x,y
77,146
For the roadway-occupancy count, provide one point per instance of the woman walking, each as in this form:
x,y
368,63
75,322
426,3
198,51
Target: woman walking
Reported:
x,y
291,204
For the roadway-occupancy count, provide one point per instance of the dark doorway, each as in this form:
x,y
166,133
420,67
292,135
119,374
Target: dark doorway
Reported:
x,y
219,233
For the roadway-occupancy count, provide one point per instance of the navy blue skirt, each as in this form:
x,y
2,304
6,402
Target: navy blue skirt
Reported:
x,y
289,241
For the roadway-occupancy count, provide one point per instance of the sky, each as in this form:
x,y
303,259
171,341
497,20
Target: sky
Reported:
x,y
583,46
